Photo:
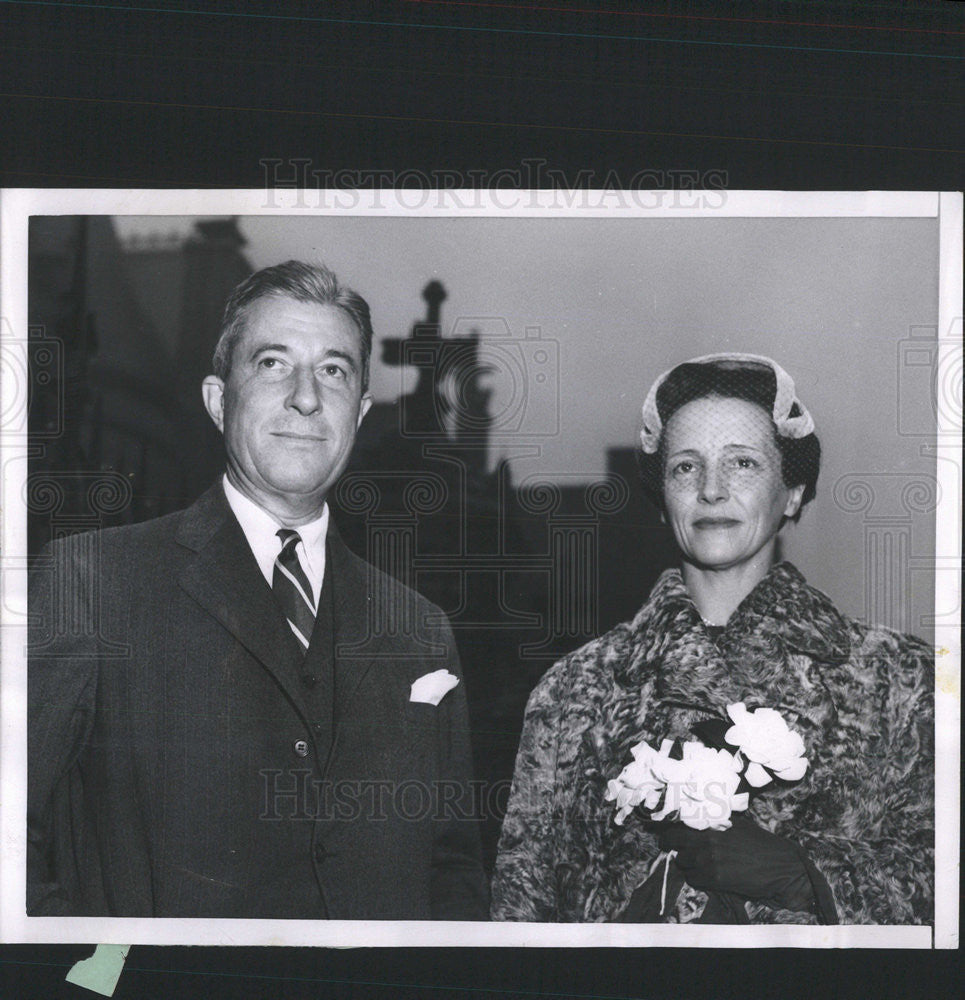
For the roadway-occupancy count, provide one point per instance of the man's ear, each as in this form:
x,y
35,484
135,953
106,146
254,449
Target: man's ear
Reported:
x,y
212,391
365,404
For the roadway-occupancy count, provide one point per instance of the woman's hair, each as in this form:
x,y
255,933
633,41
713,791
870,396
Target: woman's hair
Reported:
x,y
755,383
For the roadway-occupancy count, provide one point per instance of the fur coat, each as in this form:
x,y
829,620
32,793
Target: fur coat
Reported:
x,y
861,698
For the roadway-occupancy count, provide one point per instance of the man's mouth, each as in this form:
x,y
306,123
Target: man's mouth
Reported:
x,y
297,436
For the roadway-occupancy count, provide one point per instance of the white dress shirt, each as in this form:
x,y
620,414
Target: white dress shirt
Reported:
x,y
261,531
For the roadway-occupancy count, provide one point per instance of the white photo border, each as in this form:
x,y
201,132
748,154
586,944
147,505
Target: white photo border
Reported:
x,y
16,207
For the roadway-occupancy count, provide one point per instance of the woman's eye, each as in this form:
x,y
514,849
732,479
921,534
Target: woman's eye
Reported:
x,y
682,468
744,462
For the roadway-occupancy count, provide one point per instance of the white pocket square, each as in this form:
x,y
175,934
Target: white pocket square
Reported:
x,y
430,689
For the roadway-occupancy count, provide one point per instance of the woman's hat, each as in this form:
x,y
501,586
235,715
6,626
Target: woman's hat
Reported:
x,y
786,402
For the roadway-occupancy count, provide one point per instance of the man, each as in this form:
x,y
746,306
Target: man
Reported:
x,y
224,718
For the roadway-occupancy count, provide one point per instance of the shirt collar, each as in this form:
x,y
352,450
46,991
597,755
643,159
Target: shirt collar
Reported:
x,y
261,531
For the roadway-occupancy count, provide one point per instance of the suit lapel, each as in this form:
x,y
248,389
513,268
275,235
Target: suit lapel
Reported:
x,y
225,580
357,641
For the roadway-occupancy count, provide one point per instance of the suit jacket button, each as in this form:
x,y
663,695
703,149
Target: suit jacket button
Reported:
x,y
309,680
301,748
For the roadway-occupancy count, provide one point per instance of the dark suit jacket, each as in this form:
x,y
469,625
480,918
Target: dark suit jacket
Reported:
x,y
186,760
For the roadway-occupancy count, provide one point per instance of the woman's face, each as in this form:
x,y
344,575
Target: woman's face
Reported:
x,y
723,491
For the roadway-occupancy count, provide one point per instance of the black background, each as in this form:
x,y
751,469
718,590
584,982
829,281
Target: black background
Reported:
x,y
775,95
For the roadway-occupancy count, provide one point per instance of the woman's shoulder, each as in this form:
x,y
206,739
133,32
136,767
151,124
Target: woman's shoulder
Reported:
x,y
818,612
892,663
891,650
593,664
602,659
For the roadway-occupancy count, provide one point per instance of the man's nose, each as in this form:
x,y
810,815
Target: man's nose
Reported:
x,y
305,396
713,485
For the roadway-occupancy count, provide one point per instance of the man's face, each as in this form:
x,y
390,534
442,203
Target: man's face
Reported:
x,y
291,405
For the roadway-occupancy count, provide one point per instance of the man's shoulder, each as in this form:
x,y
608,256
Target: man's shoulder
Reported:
x,y
119,557
192,526
399,608
155,532
384,585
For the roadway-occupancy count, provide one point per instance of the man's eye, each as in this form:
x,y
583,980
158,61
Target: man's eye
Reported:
x,y
334,371
268,363
682,468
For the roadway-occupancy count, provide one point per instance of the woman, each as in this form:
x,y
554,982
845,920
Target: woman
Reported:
x,y
729,456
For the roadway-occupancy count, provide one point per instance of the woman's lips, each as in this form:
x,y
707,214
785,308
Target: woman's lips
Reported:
x,y
715,522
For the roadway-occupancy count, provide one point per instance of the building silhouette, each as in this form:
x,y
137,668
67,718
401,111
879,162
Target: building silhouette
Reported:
x,y
120,337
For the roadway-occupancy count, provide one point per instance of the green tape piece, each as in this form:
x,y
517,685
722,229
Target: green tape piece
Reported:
x,y
102,970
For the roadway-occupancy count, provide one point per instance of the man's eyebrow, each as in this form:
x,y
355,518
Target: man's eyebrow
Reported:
x,y
261,348
344,355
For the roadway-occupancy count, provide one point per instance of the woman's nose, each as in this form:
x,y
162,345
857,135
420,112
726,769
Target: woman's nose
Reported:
x,y
713,486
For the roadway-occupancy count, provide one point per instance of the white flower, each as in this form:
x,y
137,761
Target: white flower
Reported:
x,y
636,783
643,780
626,799
664,766
766,741
703,793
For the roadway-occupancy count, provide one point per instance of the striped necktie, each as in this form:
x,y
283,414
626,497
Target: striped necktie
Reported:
x,y
292,589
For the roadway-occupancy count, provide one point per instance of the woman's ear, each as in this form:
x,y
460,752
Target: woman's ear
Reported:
x,y
794,496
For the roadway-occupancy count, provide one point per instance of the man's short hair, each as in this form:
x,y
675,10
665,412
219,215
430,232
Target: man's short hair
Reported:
x,y
300,281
